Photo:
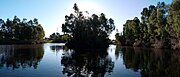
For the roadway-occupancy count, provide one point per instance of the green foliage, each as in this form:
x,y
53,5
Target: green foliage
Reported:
x,y
173,19
66,37
131,30
160,25
47,41
56,37
18,30
88,31
119,38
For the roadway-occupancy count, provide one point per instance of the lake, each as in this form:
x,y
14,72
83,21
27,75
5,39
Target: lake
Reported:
x,y
56,60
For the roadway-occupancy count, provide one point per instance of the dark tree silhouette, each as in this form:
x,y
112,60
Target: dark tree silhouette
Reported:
x,y
87,32
17,31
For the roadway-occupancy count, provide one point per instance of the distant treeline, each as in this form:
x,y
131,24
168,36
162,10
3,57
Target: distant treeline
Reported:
x,y
57,38
20,31
159,27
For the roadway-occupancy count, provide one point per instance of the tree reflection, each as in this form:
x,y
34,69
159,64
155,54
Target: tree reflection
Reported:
x,y
88,63
118,52
56,48
152,62
21,56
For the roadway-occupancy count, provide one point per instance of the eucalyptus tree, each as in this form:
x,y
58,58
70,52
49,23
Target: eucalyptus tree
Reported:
x,y
17,30
88,31
159,26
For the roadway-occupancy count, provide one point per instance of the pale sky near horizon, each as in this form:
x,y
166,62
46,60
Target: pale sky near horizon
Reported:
x,y
51,13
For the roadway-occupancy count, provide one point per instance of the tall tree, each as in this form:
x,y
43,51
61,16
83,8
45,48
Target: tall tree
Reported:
x,y
88,32
173,24
159,26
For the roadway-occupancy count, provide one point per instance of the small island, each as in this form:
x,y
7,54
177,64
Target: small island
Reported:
x,y
88,32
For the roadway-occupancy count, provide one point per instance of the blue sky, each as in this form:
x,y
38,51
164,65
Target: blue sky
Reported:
x,y
50,13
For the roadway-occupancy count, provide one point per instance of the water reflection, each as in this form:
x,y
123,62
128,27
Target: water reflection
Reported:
x,y
116,61
152,62
118,52
56,48
88,63
20,56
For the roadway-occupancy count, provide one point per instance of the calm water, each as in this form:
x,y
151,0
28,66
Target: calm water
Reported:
x,y
55,60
